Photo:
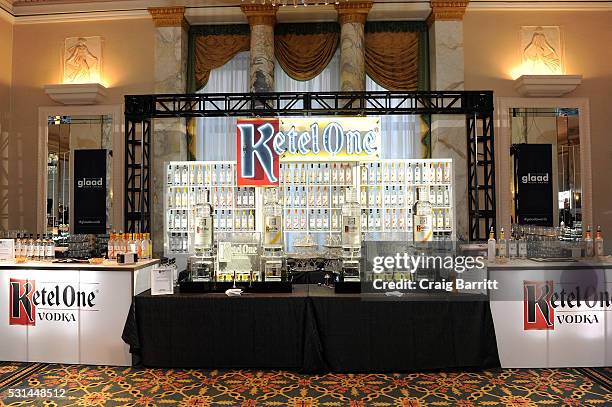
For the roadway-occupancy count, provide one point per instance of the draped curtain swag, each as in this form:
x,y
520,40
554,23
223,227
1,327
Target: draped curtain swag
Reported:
x,y
212,46
396,55
304,50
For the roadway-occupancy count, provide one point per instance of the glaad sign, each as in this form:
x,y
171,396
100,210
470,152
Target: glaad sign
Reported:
x,y
263,143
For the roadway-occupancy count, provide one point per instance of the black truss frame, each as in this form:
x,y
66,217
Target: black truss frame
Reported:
x,y
476,106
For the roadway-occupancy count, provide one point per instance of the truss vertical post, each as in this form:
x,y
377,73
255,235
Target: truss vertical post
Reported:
x,y
481,175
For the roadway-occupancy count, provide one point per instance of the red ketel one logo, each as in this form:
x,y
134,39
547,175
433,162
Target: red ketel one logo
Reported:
x,y
538,312
257,158
53,303
21,307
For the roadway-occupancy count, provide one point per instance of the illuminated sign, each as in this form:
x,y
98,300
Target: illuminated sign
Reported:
x,y
263,143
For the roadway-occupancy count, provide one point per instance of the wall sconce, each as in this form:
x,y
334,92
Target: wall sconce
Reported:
x,y
82,62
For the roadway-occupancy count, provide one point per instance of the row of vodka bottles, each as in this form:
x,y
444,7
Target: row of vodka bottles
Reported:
x,y
399,219
40,248
412,173
519,246
238,220
399,196
324,173
314,196
221,197
199,174
139,243
178,242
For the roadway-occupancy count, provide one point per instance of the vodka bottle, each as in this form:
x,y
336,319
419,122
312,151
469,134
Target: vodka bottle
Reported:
x,y
184,173
377,220
439,173
177,175
37,246
118,243
599,242
364,219
388,219
447,219
18,246
169,175
334,175
522,246
401,224
502,247
348,174
303,220
334,220
512,247
422,217
409,174
288,223
273,221
132,243
203,224
417,173
378,173
110,248
319,222
351,220
296,220
251,220
393,175
446,196
50,249
588,243
440,220
400,173
312,221
491,246
447,173
138,240
364,174
30,247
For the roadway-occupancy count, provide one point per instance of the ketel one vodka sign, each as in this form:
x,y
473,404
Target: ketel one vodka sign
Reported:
x,y
55,302
263,143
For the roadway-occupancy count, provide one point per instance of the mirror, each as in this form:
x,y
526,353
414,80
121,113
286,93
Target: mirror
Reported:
x,y
66,134
546,161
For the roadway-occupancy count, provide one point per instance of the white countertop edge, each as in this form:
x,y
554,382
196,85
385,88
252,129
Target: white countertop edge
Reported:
x,y
106,265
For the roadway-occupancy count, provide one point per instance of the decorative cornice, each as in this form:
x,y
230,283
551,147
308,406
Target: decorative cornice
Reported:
x,y
168,16
447,10
260,14
353,11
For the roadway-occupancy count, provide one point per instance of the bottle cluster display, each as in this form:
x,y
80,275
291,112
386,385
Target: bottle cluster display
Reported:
x,y
388,192
188,184
312,196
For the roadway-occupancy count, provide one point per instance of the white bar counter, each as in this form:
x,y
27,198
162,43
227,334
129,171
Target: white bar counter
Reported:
x,y
538,330
68,312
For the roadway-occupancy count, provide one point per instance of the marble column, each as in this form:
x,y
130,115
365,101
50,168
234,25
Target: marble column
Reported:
x,y
262,18
169,142
448,139
352,17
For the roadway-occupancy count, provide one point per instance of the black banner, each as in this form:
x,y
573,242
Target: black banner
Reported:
x,y
89,187
533,181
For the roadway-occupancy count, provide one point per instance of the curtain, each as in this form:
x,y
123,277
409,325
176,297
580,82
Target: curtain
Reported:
x,y
212,46
304,50
397,58
396,55
328,80
216,136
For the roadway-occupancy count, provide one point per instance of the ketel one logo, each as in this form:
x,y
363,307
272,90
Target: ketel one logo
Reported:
x,y
27,304
257,162
538,312
543,307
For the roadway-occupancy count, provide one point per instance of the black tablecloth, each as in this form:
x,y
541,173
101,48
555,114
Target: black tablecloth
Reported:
x,y
312,330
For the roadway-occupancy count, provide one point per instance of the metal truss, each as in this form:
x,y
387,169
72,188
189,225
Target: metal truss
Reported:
x,y
476,106
481,175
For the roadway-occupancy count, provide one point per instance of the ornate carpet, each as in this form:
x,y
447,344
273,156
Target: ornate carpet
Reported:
x,y
119,386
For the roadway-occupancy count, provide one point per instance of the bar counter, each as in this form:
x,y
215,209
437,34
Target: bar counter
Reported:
x,y
68,312
553,314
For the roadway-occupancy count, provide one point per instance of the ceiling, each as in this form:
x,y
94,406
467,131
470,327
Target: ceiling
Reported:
x,y
228,11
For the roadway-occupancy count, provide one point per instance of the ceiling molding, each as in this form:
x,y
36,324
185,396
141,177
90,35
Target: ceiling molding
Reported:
x,y
518,5
85,16
6,11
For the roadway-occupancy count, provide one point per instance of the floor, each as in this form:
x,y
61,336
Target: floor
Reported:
x,y
77,385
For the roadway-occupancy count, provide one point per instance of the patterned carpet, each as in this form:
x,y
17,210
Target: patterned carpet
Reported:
x,y
117,386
